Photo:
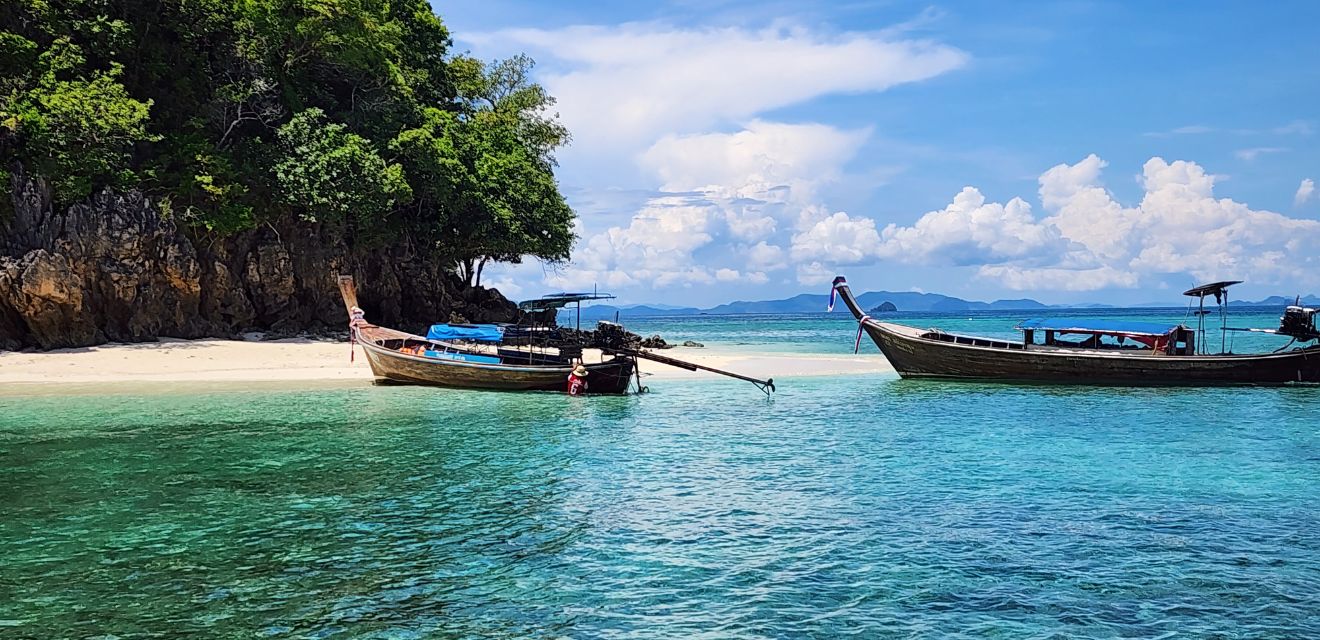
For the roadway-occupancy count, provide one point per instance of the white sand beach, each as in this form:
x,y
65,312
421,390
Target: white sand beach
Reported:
x,y
305,360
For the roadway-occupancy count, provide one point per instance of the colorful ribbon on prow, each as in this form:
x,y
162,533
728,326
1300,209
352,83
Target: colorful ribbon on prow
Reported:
x,y
834,291
861,326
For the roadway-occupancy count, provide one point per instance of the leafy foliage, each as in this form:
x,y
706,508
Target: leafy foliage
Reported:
x,y
326,169
79,131
237,112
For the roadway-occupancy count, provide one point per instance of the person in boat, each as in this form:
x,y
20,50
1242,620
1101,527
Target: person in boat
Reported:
x,y
577,381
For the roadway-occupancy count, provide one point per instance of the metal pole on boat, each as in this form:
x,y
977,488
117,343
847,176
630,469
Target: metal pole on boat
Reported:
x,y
1200,324
1223,321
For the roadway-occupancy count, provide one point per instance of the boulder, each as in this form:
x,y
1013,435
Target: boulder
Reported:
x,y
655,342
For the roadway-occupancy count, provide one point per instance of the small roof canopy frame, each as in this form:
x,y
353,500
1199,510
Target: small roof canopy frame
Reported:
x,y
1220,291
1212,289
561,300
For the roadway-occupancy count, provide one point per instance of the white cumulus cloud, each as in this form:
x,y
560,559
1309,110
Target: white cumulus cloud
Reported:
x,y
627,84
971,231
1089,240
762,155
1304,192
735,207
838,239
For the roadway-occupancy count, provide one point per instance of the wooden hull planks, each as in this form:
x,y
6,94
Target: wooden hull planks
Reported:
x,y
609,377
388,362
915,357
916,353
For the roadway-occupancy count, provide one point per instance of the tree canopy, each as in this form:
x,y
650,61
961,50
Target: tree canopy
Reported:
x,y
231,113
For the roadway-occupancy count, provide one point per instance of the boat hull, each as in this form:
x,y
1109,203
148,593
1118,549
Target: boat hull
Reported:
x,y
917,353
918,357
609,377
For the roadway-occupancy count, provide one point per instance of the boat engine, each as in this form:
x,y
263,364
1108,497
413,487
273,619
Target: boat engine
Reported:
x,y
1299,323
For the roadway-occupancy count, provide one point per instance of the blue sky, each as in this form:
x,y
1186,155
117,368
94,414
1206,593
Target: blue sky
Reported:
x,y
1080,151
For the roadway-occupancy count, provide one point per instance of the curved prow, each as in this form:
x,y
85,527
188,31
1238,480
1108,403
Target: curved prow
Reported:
x,y
841,286
349,291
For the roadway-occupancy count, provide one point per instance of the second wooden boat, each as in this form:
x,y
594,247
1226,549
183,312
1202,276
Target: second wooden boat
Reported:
x,y
1156,355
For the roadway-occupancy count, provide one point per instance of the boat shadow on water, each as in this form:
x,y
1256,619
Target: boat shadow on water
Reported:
x,y
929,388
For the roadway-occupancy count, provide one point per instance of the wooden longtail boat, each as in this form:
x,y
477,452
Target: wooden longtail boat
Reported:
x,y
402,357
1166,357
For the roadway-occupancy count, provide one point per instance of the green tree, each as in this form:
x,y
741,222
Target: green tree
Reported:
x,y
78,130
335,175
486,170
235,113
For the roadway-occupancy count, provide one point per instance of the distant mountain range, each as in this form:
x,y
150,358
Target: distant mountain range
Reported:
x,y
904,300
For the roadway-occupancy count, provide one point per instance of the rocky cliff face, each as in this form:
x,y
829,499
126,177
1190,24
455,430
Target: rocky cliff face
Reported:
x,y
112,269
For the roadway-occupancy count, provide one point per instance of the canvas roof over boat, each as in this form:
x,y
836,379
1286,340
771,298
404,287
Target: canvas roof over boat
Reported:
x,y
473,332
558,300
1102,326
1212,289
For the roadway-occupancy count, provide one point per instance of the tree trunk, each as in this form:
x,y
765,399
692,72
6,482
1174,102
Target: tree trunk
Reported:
x,y
481,266
465,271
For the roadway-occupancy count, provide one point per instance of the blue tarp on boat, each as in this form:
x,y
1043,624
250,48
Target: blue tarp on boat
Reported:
x,y
1099,325
473,332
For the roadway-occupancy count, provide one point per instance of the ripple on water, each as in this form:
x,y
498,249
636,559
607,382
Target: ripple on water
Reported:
x,y
864,507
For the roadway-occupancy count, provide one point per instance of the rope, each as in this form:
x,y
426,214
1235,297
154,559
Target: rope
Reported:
x,y
355,317
861,326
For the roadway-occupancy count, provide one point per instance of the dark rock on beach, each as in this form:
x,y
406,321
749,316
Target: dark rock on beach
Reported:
x,y
606,335
655,342
112,268
691,343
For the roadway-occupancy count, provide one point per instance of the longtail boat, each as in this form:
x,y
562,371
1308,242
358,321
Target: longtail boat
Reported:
x,y
1108,352
402,357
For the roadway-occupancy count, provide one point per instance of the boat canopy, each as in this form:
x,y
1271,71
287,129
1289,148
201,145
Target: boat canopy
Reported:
x,y
1213,289
1102,326
560,300
473,332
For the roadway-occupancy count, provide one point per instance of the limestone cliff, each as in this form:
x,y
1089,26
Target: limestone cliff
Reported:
x,y
113,269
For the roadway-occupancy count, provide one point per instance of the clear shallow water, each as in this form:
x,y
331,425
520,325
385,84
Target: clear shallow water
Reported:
x,y
863,507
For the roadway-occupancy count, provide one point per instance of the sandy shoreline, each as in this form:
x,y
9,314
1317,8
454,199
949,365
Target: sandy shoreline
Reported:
x,y
327,362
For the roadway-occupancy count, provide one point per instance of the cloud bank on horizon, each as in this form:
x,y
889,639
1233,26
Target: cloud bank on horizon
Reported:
x,y
740,194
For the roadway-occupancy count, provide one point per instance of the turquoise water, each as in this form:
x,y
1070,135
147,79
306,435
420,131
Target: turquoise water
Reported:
x,y
865,507
834,332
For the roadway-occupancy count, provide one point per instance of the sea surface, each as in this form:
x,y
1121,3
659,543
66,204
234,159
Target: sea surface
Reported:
x,y
835,332
864,506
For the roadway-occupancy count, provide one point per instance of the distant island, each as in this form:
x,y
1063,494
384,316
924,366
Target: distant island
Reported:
x,y
885,301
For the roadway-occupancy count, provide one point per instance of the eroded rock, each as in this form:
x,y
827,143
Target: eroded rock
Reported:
x,y
113,269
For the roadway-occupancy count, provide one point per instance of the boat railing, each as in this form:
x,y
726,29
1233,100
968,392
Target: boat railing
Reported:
x,y
972,341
